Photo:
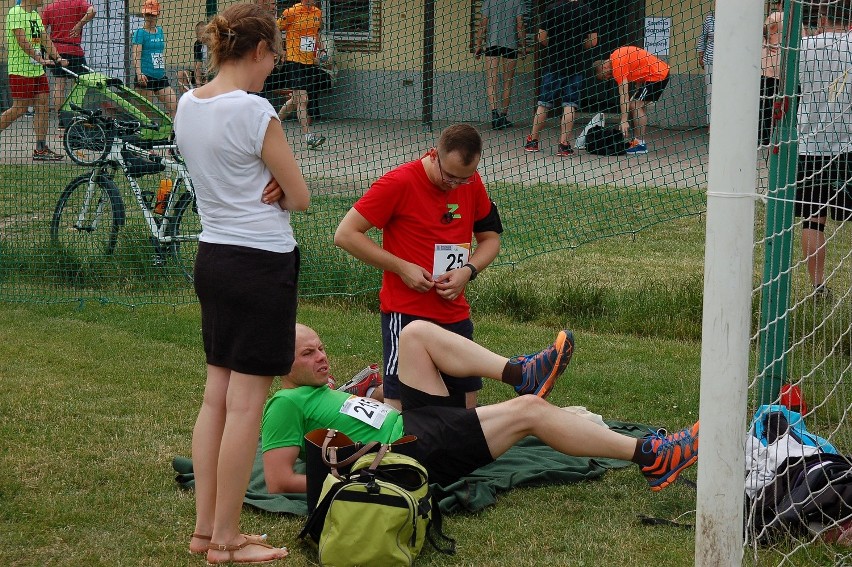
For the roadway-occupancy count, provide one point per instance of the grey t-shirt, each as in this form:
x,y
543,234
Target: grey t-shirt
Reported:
x,y
825,118
502,22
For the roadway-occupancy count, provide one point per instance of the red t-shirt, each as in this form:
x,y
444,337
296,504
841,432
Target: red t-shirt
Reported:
x,y
633,64
408,208
61,16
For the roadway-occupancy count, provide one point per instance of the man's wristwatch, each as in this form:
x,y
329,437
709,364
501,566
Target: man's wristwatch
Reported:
x,y
473,271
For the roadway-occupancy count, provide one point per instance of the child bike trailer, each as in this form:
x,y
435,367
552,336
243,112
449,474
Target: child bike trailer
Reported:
x,y
96,91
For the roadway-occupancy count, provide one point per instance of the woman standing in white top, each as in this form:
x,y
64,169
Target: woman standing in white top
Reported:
x,y
247,182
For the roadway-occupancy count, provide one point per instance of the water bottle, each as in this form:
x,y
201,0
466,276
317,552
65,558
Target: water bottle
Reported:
x,y
163,196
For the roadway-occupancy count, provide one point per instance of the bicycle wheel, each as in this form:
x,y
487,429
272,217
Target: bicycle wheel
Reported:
x,y
85,224
85,142
185,230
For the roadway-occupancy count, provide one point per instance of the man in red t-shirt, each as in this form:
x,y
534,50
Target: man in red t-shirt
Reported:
x,y
641,79
65,20
427,210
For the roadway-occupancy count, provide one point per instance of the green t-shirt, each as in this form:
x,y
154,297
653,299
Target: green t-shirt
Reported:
x,y
291,413
19,62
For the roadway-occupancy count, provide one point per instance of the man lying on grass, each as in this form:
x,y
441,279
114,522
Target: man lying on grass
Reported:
x,y
452,441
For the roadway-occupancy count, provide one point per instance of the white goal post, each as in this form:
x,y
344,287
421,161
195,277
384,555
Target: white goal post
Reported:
x,y
728,282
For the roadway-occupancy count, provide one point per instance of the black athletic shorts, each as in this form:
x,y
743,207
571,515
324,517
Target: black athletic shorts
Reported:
x,y
153,84
450,441
649,92
248,307
824,186
392,325
295,76
499,51
76,65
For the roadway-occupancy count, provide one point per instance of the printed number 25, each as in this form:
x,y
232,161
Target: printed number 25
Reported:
x,y
454,261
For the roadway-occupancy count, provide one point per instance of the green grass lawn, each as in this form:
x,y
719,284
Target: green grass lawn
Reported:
x,y
99,397
97,401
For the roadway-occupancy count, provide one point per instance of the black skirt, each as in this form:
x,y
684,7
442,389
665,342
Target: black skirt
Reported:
x,y
248,307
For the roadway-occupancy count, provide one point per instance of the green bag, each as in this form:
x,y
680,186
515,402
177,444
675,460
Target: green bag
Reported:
x,y
378,515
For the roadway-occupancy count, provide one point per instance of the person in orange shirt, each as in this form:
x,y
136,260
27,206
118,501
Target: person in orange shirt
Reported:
x,y
301,24
641,79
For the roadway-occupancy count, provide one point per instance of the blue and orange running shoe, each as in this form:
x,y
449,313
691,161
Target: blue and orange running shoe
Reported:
x,y
672,455
540,370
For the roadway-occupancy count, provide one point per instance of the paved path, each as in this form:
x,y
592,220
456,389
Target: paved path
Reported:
x,y
358,152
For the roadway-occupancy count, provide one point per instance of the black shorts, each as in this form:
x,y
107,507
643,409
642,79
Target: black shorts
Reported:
x,y
450,441
499,51
392,325
154,84
248,307
824,186
76,64
295,76
649,92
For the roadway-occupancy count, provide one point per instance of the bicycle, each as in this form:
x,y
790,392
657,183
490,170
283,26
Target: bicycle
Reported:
x,y
90,211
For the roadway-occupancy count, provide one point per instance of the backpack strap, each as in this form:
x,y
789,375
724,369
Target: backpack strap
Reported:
x,y
329,453
435,529
316,521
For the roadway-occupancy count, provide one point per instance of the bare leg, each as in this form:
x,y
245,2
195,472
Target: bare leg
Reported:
x,y
301,101
206,440
640,119
243,409
813,249
509,66
426,350
506,423
491,69
566,125
150,95
58,92
539,120
18,109
168,99
41,118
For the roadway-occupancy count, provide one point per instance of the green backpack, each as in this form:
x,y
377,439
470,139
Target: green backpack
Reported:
x,y
378,515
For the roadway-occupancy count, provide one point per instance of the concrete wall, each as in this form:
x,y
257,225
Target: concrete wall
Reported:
x,y
460,96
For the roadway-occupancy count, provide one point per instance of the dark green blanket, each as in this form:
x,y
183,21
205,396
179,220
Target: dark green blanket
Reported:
x,y
528,463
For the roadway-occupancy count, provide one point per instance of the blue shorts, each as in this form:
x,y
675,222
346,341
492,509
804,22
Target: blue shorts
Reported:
x,y
392,325
557,85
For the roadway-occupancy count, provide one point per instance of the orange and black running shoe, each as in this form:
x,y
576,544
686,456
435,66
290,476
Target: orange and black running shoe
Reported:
x,y
672,454
540,370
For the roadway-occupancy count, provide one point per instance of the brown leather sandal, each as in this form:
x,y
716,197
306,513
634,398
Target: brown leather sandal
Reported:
x,y
232,548
256,538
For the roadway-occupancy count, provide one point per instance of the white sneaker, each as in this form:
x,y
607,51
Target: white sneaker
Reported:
x,y
597,120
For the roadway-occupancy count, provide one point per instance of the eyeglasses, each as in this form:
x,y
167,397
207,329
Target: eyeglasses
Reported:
x,y
277,57
447,218
450,179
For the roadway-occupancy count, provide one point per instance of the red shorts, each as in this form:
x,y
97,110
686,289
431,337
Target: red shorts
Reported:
x,y
28,87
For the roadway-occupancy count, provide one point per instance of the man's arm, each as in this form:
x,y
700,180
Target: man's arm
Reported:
x,y
77,30
25,44
279,474
351,235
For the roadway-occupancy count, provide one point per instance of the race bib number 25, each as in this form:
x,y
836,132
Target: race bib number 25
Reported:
x,y
449,257
369,411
